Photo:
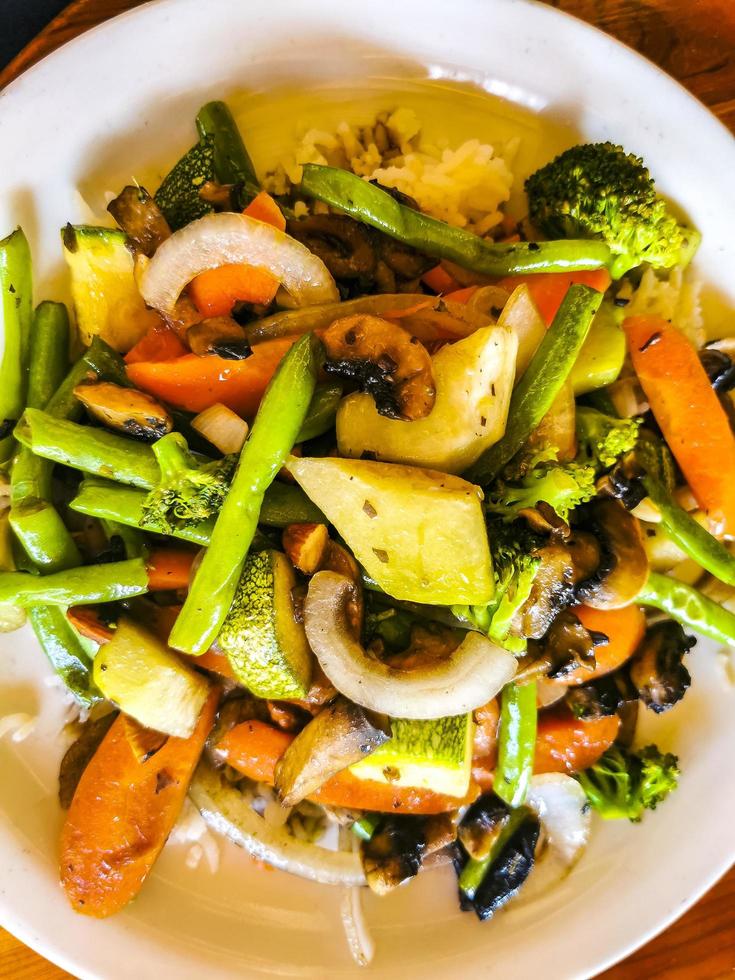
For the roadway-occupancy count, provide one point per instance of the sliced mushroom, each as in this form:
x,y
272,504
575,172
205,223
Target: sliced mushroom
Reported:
x,y
602,697
224,197
657,669
343,244
140,218
567,646
385,361
340,735
719,367
219,335
338,559
406,262
552,591
623,570
125,409
482,825
394,852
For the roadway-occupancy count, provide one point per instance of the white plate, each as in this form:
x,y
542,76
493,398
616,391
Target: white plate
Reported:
x,y
119,102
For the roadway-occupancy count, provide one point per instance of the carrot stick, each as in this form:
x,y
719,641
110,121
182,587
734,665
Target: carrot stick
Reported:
x,y
440,280
566,744
87,621
264,208
254,748
169,568
624,629
160,343
689,413
548,289
195,383
122,812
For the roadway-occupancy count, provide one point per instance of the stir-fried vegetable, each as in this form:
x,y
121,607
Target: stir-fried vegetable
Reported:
x,y
17,304
690,607
273,435
624,784
516,743
542,380
563,486
376,207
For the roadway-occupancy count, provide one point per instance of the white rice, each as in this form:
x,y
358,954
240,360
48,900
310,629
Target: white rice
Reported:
x,y
465,186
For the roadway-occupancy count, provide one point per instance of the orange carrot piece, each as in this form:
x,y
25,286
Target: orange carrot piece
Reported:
x,y
122,812
160,343
254,748
624,629
548,289
87,621
566,744
169,568
264,208
440,280
689,413
463,295
216,291
215,661
195,383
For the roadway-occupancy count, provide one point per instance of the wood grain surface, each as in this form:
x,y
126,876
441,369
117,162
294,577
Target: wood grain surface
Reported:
x,y
694,41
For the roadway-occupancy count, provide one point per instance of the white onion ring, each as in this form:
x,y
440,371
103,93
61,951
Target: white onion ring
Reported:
x,y
473,674
223,238
226,811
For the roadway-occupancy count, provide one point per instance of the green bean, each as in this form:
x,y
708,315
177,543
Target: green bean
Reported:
x,y
322,412
516,742
232,163
274,432
690,607
373,206
542,380
76,586
16,298
474,871
66,654
91,450
49,352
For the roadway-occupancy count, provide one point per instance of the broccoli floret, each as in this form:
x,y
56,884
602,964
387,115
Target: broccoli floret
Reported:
x,y
624,784
189,491
515,566
563,486
600,191
602,439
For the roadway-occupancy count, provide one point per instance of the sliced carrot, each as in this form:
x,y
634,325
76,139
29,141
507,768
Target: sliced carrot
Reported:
x,y
195,383
254,748
216,291
87,621
169,568
566,744
548,289
439,280
463,295
624,629
690,415
215,661
122,812
264,208
160,343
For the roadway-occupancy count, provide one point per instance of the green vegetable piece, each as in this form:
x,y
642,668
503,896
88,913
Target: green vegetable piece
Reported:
x,y
49,348
602,439
232,163
365,827
178,196
474,871
690,607
602,355
266,647
137,672
623,784
274,432
373,206
693,539
534,394
563,486
61,644
599,191
322,412
16,297
434,754
98,361
91,450
76,586
517,743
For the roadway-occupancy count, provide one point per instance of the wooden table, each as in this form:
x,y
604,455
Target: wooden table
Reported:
x,y
693,40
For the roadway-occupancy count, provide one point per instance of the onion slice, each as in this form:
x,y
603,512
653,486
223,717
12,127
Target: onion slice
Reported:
x,y
228,812
473,674
224,238
561,806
